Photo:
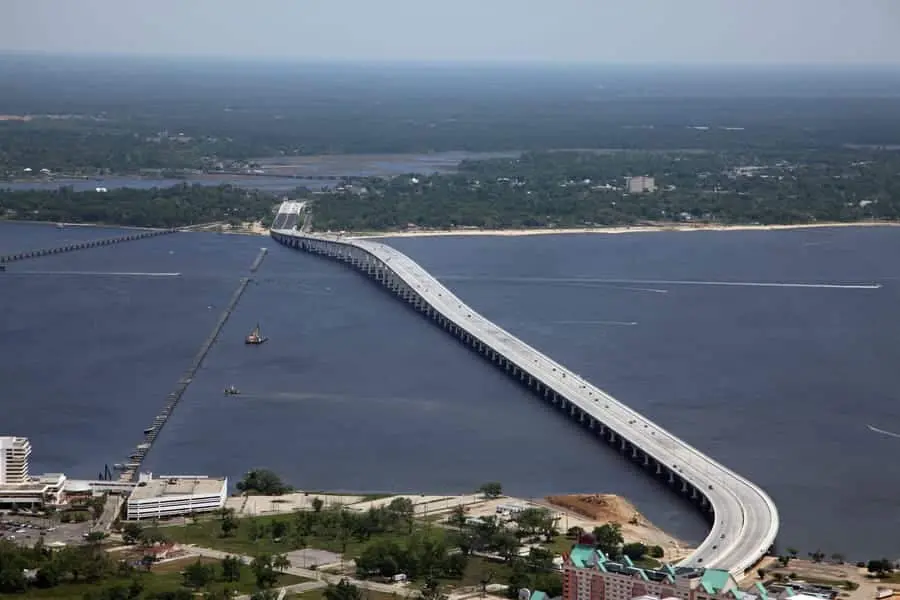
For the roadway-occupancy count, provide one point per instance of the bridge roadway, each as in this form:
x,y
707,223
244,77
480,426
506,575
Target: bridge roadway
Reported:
x,y
744,519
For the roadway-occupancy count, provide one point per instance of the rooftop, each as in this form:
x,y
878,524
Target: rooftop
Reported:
x,y
178,486
713,581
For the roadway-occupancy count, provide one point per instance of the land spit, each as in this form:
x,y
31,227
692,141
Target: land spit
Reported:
x,y
586,511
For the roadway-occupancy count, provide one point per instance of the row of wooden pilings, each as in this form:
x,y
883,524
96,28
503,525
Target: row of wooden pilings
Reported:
x,y
130,469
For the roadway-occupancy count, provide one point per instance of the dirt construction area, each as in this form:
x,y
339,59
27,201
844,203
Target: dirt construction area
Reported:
x,y
592,510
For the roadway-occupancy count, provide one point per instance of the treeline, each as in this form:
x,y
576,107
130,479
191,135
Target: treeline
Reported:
x,y
587,189
158,207
88,147
39,567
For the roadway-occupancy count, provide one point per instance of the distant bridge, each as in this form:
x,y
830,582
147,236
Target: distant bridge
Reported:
x,y
342,178
744,519
8,258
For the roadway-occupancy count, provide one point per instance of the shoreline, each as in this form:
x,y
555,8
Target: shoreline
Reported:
x,y
582,510
680,227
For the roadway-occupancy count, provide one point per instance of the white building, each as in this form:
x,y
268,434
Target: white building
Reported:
x,y
14,453
175,495
17,487
641,184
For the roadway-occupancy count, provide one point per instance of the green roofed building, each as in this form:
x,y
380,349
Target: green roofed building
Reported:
x,y
588,574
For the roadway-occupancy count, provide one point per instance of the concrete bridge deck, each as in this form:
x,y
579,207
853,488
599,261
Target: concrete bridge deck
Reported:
x,y
744,519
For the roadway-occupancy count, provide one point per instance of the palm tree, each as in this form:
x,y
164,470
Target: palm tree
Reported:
x,y
280,562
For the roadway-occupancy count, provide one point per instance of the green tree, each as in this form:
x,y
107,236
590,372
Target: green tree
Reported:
x,y
179,594
634,550
231,568
432,590
263,571
135,588
228,522
262,481
95,537
344,590
132,533
457,517
491,489
280,562
609,539
880,567
198,575
505,544
317,504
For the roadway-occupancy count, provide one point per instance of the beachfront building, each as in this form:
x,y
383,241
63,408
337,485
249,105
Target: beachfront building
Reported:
x,y
588,574
17,487
14,453
175,495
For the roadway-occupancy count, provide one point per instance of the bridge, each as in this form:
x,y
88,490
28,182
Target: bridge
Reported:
x,y
744,520
130,237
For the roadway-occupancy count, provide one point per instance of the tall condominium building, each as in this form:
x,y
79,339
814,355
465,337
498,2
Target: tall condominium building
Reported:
x,y
588,574
14,453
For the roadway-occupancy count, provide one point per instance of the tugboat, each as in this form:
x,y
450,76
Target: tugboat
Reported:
x,y
232,391
255,338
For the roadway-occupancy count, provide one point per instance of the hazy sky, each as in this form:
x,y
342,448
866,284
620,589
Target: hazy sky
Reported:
x,y
783,31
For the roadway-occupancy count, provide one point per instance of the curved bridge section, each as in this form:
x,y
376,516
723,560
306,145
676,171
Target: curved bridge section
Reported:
x,y
743,517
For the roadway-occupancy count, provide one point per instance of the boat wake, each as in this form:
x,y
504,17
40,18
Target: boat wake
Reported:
x,y
883,432
667,282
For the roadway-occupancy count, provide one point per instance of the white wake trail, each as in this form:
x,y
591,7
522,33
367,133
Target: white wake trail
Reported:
x,y
652,282
883,432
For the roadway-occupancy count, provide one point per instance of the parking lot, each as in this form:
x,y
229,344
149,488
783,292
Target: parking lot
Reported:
x,y
26,531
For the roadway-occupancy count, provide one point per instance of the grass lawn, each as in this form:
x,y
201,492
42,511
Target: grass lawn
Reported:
x,y
480,568
319,594
162,578
208,533
560,545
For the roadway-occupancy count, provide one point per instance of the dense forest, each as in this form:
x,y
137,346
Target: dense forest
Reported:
x,y
588,189
159,207
123,115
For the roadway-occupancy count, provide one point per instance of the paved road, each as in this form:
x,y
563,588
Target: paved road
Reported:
x,y
746,520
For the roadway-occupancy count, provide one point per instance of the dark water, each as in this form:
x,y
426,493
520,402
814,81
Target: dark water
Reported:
x,y
18,237
270,184
354,391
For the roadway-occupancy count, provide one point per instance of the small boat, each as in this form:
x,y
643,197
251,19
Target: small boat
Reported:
x,y
232,391
60,226
255,337
149,430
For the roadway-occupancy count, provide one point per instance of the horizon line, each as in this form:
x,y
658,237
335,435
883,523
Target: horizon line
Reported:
x,y
467,62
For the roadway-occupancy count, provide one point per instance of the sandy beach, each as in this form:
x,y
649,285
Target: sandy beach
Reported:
x,y
609,230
